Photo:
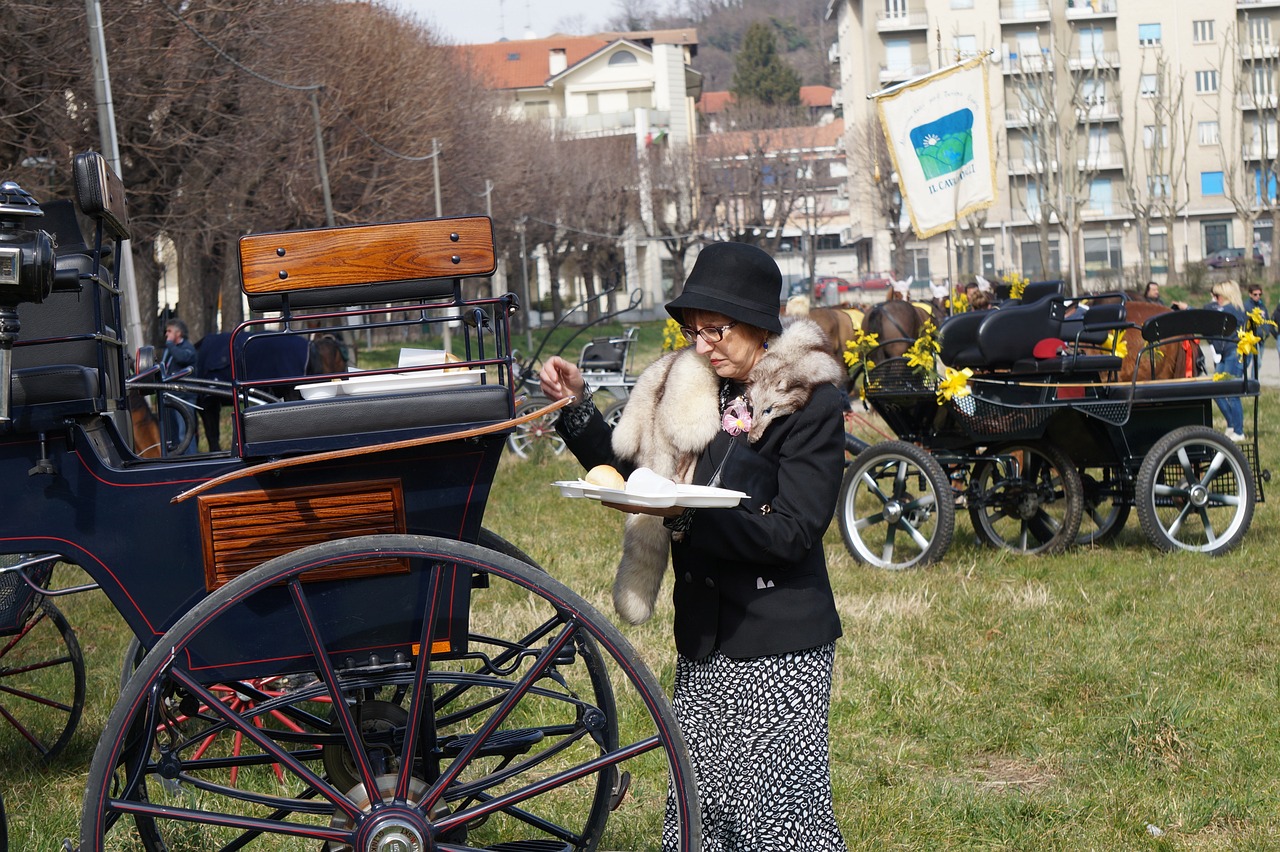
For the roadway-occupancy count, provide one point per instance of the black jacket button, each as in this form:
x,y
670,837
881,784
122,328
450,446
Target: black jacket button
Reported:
x,y
688,577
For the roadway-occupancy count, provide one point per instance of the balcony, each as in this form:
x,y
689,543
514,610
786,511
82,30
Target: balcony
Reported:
x,y
1095,111
1014,118
1250,5
1094,60
1090,10
1037,63
1259,151
898,73
894,22
1256,100
609,124
1102,160
1025,11
1029,166
1254,49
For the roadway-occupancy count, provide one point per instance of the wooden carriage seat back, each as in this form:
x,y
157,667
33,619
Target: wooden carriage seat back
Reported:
x,y
408,263
364,264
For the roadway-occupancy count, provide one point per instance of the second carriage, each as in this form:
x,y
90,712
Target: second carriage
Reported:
x,y
1033,434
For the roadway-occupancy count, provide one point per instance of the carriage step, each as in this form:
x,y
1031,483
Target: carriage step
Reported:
x,y
502,743
531,846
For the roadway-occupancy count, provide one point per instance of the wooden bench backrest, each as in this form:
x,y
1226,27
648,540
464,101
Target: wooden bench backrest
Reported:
x,y
364,264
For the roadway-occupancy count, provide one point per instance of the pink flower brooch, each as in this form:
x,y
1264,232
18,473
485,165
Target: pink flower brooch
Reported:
x,y
737,417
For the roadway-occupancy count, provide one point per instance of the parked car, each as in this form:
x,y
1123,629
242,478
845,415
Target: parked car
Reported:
x,y
816,289
1230,257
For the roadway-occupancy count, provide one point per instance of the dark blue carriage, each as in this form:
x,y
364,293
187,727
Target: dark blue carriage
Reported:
x,y
333,650
1045,445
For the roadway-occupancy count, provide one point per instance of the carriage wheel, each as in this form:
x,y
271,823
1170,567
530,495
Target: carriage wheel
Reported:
x,y
537,437
896,507
1027,498
515,743
42,680
1195,492
1106,506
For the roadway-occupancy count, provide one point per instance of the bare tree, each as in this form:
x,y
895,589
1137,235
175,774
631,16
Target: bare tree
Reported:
x,y
676,216
876,185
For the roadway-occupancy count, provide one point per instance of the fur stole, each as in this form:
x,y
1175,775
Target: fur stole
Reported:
x,y
672,415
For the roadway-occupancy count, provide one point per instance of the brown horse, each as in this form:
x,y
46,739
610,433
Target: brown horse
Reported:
x,y
837,324
1166,361
146,428
896,324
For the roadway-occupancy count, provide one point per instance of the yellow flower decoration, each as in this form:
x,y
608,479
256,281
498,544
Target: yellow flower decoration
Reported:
x,y
954,384
1257,319
958,303
1248,343
1221,377
672,339
1017,284
920,356
859,347
1116,344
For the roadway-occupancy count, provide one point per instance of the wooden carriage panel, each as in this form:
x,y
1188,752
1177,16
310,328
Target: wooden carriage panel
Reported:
x,y
365,254
242,530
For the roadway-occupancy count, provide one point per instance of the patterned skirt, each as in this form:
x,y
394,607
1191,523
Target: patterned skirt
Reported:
x,y
757,736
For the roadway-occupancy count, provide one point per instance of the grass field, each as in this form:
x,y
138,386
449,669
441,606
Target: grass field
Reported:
x,y
1110,698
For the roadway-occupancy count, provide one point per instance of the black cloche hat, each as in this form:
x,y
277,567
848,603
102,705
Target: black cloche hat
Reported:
x,y
737,280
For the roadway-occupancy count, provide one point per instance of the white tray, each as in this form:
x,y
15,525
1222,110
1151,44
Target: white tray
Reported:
x,y
358,385
687,496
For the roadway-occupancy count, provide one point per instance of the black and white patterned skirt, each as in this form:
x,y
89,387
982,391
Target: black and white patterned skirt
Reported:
x,y
757,736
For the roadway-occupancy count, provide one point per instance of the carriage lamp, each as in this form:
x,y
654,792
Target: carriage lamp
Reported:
x,y
27,267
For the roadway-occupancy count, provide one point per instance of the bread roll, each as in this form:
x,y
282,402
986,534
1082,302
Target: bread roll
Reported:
x,y
606,476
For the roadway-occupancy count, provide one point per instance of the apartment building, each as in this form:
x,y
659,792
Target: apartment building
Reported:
x,y
1132,136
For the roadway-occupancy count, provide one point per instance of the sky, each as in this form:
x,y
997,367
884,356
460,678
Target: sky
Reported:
x,y
480,21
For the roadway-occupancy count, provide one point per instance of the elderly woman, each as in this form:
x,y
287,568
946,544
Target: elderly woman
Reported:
x,y
752,407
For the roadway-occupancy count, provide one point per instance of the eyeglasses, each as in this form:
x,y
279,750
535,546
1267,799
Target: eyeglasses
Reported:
x,y
1256,293
710,333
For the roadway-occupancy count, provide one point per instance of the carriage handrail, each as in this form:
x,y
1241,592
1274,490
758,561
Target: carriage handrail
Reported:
x,y
20,568
329,455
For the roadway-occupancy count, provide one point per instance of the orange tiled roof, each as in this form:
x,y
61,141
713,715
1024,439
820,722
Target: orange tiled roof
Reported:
x,y
526,63
810,96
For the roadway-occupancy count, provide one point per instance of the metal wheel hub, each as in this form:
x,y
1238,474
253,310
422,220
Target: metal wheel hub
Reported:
x,y
1198,495
397,828
893,511
397,835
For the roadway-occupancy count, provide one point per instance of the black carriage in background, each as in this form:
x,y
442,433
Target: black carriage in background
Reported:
x,y
334,652
1041,443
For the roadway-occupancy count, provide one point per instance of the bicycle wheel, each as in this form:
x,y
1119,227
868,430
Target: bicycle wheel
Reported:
x,y
510,745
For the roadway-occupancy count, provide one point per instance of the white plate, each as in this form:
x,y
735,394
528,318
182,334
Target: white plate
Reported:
x,y
687,496
390,383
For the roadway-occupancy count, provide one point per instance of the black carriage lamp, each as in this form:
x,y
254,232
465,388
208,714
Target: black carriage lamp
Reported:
x,y
27,266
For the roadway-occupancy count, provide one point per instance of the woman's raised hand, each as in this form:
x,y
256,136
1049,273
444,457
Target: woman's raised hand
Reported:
x,y
560,378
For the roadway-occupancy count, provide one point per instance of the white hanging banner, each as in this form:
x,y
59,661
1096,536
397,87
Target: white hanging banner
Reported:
x,y
939,132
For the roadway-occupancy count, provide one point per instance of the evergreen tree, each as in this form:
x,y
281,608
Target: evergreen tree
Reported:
x,y
760,74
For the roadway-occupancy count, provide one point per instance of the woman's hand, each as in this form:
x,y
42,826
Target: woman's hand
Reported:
x,y
560,378
665,512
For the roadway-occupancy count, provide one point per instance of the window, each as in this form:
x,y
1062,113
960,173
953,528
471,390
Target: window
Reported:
x,y
966,46
1158,186
1202,31
1099,150
1091,44
1093,92
1208,133
639,99
1263,177
1263,83
1158,251
897,55
1033,200
1034,265
1100,196
826,242
1148,85
1155,136
961,4
1206,82
1217,235
1101,254
537,109
1211,183
623,57
1259,31
1148,34
918,263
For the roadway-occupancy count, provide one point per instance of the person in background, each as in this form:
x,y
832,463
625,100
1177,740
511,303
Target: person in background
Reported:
x,y
1256,301
179,353
1226,297
754,408
1152,293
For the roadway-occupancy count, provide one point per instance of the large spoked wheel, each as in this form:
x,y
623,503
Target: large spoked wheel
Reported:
x,y
896,507
1026,498
517,744
538,437
42,680
1195,492
613,413
1106,506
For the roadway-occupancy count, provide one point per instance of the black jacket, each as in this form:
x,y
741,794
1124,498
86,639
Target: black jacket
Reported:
x,y
752,580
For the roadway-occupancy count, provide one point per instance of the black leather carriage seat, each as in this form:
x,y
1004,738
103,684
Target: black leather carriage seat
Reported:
x,y
604,355
958,340
1080,331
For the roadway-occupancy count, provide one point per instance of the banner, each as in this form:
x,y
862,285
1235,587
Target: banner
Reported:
x,y
939,132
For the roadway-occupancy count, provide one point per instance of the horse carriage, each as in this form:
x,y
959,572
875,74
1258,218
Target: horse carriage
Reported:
x,y
334,650
1034,433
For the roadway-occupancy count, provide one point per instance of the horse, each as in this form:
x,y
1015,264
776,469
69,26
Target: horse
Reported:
x,y
146,428
1168,361
837,324
896,324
